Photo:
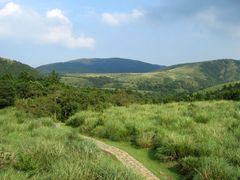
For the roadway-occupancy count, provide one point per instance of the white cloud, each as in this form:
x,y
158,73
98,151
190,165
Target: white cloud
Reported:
x,y
57,14
110,19
117,19
10,9
54,27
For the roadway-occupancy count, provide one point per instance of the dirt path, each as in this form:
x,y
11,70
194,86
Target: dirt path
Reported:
x,y
126,159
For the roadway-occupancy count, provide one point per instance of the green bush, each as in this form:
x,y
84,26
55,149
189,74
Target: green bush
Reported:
x,y
100,131
188,166
116,131
143,139
208,168
173,147
75,121
216,168
47,122
7,93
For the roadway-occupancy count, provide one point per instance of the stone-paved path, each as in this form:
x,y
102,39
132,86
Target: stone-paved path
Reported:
x,y
126,159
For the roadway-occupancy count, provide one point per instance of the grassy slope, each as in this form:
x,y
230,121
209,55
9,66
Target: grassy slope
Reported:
x,y
38,149
201,137
178,78
15,68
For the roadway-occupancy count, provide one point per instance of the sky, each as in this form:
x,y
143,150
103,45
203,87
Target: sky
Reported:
x,y
158,31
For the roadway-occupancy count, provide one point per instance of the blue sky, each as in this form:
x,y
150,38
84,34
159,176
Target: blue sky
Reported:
x,y
157,31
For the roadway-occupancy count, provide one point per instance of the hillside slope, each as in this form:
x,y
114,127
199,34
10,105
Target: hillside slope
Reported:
x,y
37,148
227,91
174,79
15,68
97,65
218,87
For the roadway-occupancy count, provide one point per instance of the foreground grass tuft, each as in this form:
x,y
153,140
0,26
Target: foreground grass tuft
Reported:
x,y
38,149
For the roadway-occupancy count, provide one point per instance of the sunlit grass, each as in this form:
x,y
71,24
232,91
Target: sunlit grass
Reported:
x,y
194,135
40,149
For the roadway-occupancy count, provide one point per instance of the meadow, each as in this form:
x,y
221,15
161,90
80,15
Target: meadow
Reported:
x,y
199,139
38,148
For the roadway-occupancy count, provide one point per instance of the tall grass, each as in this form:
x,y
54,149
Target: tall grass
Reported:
x,y
201,138
38,149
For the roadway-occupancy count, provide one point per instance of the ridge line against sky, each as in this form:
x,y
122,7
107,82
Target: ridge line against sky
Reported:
x,y
158,32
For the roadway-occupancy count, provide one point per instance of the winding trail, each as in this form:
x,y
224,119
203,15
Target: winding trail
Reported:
x,y
126,159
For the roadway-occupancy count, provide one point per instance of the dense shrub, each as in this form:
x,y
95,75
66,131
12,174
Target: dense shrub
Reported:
x,y
116,131
75,121
40,107
143,139
7,93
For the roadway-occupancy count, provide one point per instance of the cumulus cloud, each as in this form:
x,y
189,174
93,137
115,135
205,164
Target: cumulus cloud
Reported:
x,y
53,27
117,19
10,9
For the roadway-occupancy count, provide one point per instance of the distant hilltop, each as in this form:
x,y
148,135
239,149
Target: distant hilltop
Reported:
x,y
14,68
101,65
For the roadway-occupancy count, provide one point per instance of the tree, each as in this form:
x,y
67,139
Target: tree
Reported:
x,y
26,77
53,78
7,93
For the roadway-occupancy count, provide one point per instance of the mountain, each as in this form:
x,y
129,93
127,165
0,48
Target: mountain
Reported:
x,y
174,79
97,65
8,66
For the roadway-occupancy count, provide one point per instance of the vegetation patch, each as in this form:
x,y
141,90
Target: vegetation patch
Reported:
x,y
200,138
37,149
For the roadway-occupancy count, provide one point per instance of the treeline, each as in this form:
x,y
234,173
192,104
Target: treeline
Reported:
x,y
47,96
227,92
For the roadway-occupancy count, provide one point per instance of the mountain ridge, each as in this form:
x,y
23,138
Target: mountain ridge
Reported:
x,y
100,65
13,67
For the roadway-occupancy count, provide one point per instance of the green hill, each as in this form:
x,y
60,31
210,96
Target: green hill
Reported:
x,y
97,65
217,87
174,79
15,68
228,91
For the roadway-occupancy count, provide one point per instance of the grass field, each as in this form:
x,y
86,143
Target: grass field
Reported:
x,y
200,139
39,149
